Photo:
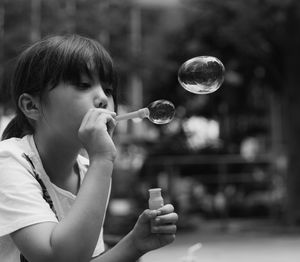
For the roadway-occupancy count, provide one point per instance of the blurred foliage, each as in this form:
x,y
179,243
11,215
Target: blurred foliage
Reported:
x,y
247,36
102,20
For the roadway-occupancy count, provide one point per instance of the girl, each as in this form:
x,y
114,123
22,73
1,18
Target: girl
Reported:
x,y
52,200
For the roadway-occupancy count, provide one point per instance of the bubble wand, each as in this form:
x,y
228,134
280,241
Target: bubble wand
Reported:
x,y
158,112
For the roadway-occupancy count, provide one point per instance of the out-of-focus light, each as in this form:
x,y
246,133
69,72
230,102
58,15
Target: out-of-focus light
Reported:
x,y
157,3
201,132
120,207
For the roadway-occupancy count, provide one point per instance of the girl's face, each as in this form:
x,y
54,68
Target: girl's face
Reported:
x,y
65,106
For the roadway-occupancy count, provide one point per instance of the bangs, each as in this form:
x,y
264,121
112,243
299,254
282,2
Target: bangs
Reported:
x,y
90,60
75,56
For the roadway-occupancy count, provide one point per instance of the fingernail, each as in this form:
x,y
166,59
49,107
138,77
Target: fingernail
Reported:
x,y
153,213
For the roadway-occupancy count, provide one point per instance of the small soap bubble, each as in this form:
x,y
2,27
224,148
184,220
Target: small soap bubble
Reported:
x,y
201,75
161,111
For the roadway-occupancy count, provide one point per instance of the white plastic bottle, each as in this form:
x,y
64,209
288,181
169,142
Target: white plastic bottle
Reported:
x,y
155,200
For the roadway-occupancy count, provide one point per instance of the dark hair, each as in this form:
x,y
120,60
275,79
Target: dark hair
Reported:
x,y
52,60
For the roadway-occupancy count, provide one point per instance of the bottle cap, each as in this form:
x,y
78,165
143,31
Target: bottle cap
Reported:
x,y
155,192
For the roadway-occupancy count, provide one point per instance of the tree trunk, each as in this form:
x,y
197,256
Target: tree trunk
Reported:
x,y
35,17
292,112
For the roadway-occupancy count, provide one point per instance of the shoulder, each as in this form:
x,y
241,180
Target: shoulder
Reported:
x,y
12,160
10,144
13,147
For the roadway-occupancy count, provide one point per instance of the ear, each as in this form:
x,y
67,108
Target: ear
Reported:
x,y
30,106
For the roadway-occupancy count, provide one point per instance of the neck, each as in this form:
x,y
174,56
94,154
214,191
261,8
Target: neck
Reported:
x,y
58,157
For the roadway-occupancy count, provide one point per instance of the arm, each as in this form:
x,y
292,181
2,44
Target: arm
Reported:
x,y
74,238
79,232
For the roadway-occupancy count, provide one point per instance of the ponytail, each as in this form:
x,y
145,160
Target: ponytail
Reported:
x,y
17,127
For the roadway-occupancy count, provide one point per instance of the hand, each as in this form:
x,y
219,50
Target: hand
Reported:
x,y
164,226
95,133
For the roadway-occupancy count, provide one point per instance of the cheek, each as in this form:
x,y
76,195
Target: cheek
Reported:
x,y
64,109
74,116
64,116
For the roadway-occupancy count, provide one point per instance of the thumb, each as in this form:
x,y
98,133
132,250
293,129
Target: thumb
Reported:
x,y
147,215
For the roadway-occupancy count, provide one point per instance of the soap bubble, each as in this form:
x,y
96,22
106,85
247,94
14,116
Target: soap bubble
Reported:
x,y
161,111
201,75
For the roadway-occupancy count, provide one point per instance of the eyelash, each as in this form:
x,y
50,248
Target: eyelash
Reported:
x,y
83,86
108,91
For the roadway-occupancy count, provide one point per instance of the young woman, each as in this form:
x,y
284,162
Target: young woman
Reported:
x,y
52,200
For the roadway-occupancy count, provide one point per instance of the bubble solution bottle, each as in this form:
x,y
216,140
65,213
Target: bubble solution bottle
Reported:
x,y
155,200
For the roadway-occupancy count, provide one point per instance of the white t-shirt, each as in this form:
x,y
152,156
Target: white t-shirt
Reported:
x,y
21,198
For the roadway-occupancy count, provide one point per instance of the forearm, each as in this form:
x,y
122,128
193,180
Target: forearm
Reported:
x,y
124,251
77,233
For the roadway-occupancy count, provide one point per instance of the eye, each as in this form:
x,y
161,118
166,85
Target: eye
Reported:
x,y
108,90
83,85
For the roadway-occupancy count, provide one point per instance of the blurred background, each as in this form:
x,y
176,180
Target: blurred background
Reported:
x,y
229,161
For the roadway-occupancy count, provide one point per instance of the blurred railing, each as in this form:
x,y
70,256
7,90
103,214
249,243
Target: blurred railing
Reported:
x,y
221,174
172,164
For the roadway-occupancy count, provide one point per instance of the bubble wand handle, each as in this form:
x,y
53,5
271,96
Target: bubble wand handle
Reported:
x,y
141,113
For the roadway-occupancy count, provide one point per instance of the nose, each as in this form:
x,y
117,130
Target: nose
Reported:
x,y
100,99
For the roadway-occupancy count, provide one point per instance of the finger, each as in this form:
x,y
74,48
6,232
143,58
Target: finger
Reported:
x,y
111,124
107,120
147,215
166,219
165,229
86,118
166,209
93,113
93,117
96,112
109,112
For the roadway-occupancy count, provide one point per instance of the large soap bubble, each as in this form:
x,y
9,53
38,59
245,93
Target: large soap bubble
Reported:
x,y
201,75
